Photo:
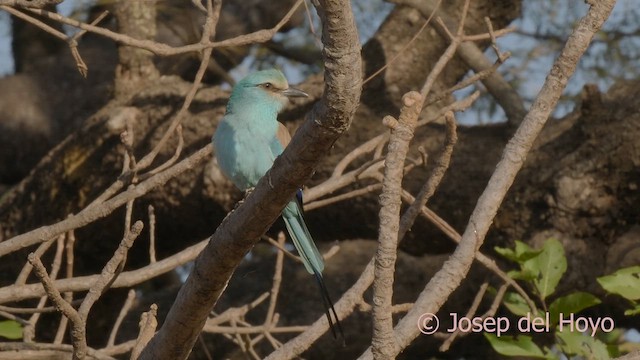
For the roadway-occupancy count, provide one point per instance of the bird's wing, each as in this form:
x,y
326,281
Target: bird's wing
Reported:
x,y
284,138
283,135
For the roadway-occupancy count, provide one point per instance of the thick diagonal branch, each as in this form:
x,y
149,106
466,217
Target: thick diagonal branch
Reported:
x,y
242,228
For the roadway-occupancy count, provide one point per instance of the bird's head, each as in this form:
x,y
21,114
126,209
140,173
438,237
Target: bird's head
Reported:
x,y
266,88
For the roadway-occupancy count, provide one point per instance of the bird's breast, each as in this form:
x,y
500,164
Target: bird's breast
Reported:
x,y
244,152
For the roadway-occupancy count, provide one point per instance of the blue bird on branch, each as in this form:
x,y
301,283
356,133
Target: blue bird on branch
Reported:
x,y
247,142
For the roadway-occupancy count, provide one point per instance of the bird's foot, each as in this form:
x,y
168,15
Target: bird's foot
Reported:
x,y
246,193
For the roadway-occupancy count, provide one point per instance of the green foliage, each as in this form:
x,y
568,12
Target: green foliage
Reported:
x,y
543,267
10,329
633,311
626,283
571,304
516,346
575,336
520,253
516,304
549,266
575,343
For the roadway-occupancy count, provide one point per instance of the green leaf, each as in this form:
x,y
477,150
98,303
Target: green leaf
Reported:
x,y
511,346
520,253
10,329
624,282
516,303
525,252
576,343
633,311
526,275
550,265
506,253
571,304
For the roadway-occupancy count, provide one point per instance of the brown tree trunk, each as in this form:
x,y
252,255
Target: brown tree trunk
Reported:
x,y
135,67
31,45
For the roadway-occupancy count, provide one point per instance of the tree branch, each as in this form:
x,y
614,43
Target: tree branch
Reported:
x,y
237,234
30,3
474,57
390,201
455,269
92,213
162,49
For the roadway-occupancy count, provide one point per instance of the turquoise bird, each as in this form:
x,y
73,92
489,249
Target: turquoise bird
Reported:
x,y
247,142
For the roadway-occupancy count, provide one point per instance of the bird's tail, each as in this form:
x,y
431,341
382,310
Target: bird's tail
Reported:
x,y
311,258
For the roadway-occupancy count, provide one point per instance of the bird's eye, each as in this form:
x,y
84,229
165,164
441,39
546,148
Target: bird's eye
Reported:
x,y
267,85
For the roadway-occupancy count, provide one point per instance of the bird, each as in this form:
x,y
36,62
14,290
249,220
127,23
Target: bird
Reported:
x,y
246,143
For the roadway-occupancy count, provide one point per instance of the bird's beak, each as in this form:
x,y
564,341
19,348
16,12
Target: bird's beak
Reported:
x,y
293,92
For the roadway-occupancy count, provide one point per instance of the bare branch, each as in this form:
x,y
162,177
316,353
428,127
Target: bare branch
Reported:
x,y
92,213
30,3
131,297
152,234
78,326
126,279
429,188
242,228
148,324
406,46
470,313
8,350
456,268
277,279
469,52
29,331
68,296
111,270
390,201
208,32
259,36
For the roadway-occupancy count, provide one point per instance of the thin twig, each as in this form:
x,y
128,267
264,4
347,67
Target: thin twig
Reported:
x,y
429,187
152,234
78,337
405,47
68,296
53,274
173,159
27,268
110,271
32,310
445,281
484,260
51,350
208,32
203,345
128,303
277,279
161,49
126,279
342,197
19,14
90,214
469,81
470,313
288,253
